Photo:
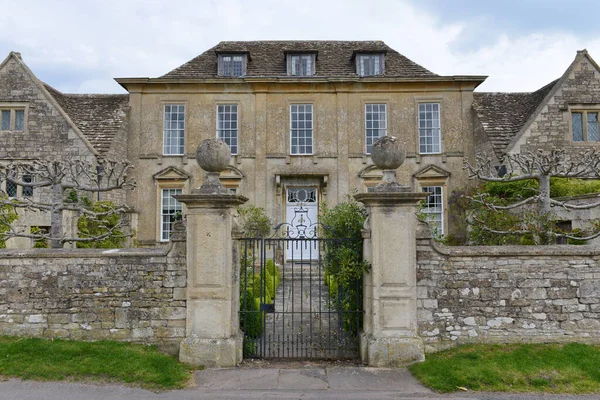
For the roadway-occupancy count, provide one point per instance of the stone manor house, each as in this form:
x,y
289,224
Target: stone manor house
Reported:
x,y
300,118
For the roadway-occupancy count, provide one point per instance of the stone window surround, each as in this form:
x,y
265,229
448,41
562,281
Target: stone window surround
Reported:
x,y
185,119
289,63
12,107
291,103
221,66
584,109
423,100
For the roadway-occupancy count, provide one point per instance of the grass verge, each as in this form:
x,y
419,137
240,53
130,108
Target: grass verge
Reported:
x,y
136,364
550,368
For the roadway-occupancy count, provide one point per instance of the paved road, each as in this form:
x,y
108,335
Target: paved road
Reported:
x,y
347,383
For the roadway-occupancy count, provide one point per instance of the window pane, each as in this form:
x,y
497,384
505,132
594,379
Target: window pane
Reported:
x,y
577,123
6,120
232,65
433,209
11,189
170,210
227,123
375,123
27,190
19,120
429,128
301,129
174,129
592,127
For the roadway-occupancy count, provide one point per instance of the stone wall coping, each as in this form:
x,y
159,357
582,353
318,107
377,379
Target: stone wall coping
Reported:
x,y
84,253
503,251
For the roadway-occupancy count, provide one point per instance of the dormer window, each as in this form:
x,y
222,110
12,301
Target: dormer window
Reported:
x,y
301,64
232,64
368,64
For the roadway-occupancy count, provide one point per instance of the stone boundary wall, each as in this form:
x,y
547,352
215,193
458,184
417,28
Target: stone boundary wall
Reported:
x,y
506,294
135,295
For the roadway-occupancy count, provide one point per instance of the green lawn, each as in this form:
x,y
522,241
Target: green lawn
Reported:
x,y
551,368
136,364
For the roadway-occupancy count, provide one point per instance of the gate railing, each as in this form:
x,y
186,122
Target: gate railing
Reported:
x,y
297,299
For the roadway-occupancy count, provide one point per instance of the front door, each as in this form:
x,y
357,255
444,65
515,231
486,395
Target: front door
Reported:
x,y
301,217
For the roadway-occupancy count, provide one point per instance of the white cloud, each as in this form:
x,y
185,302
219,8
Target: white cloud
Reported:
x,y
79,46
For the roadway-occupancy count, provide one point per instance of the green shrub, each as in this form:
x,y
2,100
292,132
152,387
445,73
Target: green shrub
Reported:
x,y
273,271
41,243
343,260
251,319
254,221
8,215
89,227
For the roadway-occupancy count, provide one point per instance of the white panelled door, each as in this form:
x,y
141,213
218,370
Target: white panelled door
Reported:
x,y
301,216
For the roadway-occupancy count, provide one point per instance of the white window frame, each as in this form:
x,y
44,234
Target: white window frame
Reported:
x,y
174,207
435,147
378,60
292,67
221,132
428,211
383,127
173,138
229,70
584,125
297,130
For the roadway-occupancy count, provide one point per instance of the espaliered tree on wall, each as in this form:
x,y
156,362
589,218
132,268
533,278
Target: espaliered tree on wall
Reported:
x,y
531,213
63,182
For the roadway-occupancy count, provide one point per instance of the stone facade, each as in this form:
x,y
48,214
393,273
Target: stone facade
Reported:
x,y
126,295
507,294
57,126
579,88
264,167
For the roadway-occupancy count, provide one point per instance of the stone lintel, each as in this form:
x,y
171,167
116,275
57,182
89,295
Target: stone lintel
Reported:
x,y
390,198
211,200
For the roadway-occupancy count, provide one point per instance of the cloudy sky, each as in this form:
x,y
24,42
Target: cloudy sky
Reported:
x,y
80,45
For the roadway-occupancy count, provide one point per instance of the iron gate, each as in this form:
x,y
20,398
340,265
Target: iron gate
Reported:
x,y
296,300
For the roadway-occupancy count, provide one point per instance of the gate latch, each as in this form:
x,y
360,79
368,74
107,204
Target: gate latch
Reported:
x,y
268,308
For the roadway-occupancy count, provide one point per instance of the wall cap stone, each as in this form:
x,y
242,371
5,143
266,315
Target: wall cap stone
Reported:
x,y
503,251
84,253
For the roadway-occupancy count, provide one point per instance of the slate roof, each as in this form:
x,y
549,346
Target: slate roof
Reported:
x,y
504,114
98,116
268,59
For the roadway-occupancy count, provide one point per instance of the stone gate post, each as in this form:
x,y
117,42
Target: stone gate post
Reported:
x,y
213,337
390,324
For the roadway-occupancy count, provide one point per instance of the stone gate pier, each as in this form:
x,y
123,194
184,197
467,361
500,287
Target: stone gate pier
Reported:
x,y
390,336
213,336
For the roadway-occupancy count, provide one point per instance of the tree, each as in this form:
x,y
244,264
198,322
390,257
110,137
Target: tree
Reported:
x,y
64,181
8,214
535,170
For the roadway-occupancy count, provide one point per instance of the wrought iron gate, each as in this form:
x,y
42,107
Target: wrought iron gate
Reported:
x,y
295,301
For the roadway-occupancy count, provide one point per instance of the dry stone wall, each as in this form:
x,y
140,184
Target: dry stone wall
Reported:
x,y
507,294
135,295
